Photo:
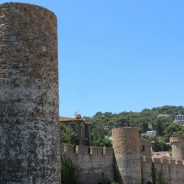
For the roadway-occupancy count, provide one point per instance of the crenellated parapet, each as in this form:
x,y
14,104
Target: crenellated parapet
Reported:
x,y
95,164
86,150
175,140
125,161
171,171
162,161
67,148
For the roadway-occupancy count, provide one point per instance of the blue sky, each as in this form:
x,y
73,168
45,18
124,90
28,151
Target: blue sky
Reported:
x,y
117,55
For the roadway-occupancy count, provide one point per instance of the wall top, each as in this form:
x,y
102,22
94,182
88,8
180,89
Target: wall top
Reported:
x,y
126,128
85,150
24,5
177,139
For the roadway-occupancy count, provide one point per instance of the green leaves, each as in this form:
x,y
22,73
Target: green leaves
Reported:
x,y
67,135
102,142
69,171
160,119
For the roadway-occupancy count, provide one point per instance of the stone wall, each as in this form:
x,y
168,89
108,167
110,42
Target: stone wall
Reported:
x,y
95,164
171,171
29,134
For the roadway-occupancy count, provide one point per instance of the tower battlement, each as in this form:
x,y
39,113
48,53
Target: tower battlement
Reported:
x,y
166,161
175,140
177,148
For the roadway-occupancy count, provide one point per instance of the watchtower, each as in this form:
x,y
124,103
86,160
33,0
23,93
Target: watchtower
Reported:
x,y
29,135
127,155
177,148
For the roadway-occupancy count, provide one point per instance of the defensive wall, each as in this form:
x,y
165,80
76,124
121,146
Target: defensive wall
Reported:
x,y
95,164
123,162
168,170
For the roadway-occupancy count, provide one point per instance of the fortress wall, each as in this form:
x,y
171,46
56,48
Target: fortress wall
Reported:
x,y
95,164
146,163
171,170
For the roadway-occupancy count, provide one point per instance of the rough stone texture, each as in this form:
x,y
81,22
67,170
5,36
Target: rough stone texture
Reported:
x,y
95,164
29,137
145,147
172,171
127,155
146,164
177,148
98,165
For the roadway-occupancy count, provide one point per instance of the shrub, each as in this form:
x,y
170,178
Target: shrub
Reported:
x,y
114,182
69,171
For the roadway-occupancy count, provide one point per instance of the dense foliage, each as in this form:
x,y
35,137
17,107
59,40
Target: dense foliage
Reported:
x,y
69,171
67,135
160,119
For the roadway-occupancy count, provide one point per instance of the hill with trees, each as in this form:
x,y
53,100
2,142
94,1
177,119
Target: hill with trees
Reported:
x,y
160,119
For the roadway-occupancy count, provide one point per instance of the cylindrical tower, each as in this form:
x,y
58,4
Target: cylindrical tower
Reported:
x,y
177,148
29,135
127,157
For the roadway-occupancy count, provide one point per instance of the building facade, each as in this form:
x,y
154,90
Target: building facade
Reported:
x,y
80,127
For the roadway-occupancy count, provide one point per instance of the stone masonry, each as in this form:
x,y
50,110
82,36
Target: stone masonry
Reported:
x,y
29,136
177,147
95,164
128,164
126,154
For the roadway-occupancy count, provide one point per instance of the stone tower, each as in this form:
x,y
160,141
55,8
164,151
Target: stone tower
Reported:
x,y
127,156
29,136
177,148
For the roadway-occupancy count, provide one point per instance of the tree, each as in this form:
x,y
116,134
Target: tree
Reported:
x,y
67,135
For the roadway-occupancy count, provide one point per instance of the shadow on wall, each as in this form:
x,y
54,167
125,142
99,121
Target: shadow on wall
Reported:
x,y
117,174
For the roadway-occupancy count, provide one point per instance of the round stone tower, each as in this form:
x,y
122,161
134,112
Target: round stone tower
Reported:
x,y
29,135
177,148
127,157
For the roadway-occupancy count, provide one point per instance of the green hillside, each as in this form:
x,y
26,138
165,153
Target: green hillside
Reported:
x,y
160,119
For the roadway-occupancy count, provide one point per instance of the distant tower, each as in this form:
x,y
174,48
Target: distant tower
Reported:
x,y
177,148
127,156
29,135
